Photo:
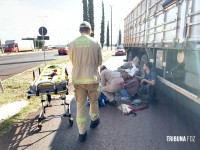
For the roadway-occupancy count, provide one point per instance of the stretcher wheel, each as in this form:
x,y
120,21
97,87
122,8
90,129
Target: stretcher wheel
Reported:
x,y
39,125
37,93
71,121
56,91
49,97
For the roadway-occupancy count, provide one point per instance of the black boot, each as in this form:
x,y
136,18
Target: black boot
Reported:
x,y
112,103
82,137
94,124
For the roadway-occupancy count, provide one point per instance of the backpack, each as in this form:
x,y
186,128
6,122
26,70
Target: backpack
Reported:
x,y
102,100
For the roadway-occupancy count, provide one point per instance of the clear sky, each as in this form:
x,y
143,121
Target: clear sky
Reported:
x,y
22,18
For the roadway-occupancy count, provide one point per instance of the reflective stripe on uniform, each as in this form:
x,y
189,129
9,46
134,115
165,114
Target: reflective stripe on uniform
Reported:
x,y
99,89
85,80
84,119
94,115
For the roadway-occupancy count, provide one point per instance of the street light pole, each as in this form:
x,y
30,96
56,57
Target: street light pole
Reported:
x,y
111,26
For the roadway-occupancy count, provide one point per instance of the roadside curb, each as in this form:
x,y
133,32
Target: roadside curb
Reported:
x,y
13,108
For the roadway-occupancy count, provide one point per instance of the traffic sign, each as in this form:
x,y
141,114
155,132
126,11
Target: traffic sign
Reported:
x,y
43,37
42,31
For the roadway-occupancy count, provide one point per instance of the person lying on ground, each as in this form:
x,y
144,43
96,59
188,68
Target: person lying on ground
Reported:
x,y
111,82
130,65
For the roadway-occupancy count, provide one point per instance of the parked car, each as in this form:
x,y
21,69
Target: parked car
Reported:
x,y
47,48
50,48
63,51
120,50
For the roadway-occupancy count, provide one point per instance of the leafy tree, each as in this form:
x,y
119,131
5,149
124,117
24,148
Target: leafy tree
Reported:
x,y
102,26
38,43
120,38
85,10
108,42
91,15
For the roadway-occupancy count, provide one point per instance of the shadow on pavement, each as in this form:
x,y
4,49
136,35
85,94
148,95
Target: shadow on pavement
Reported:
x,y
146,131
20,131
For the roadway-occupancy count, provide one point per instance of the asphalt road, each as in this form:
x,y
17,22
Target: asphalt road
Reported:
x,y
148,130
14,64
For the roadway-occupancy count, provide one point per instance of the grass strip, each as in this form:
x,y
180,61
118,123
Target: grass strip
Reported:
x,y
15,89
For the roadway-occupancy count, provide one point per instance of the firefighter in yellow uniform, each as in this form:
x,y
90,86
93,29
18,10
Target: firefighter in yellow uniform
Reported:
x,y
85,55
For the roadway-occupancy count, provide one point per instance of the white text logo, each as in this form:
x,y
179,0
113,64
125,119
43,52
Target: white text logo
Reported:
x,y
180,138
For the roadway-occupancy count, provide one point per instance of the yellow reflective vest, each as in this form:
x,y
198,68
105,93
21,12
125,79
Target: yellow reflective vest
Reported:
x,y
85,55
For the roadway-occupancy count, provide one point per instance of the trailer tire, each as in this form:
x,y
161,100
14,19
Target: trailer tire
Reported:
x,y
143,60
149,54
129,56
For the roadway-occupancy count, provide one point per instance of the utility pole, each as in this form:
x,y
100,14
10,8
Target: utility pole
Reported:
x,y
111,26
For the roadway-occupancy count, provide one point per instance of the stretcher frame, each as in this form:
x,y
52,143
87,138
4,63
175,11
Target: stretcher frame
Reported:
x,y
46,97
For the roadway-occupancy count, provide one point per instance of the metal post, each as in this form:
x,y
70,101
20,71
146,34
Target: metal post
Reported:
x,y
34,44
164,64
43,38
43,47
2,50
111,26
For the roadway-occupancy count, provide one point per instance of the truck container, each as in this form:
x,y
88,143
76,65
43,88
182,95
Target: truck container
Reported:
x,y
166,33
18,45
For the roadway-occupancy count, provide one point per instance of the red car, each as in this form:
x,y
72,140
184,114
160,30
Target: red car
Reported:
x,y
120,50
63,51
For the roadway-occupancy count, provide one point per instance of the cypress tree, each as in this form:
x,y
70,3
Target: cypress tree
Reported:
x,y
85,10
91,15
102,26
108,42
120,38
